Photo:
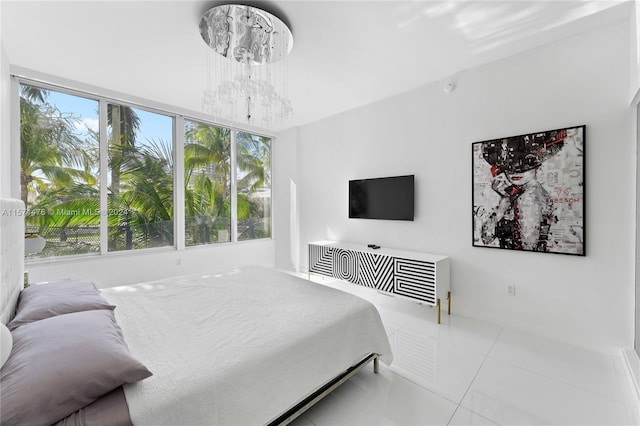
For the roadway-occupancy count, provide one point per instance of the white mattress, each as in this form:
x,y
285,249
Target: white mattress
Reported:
x,y
239,347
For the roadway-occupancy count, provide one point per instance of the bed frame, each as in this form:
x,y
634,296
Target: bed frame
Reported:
x,y
12,228
308,402
12,225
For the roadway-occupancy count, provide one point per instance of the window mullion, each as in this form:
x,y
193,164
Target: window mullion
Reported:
x,y
234,189
14,149
104,182
178,183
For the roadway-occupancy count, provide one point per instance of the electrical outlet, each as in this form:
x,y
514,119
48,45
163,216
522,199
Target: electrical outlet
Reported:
x,y
511,289
178,262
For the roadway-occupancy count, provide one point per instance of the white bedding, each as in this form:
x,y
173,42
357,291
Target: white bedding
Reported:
x,y
239,347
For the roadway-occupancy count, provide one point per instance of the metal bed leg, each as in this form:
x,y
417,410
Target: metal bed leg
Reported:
x,y
376,365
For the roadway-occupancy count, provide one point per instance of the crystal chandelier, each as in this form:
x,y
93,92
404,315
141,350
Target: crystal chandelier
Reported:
x,y
247,65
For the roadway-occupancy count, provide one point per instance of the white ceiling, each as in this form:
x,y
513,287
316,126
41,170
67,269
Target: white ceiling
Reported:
x,y
345,54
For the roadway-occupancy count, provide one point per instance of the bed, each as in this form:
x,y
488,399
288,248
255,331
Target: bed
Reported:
x,y
238,346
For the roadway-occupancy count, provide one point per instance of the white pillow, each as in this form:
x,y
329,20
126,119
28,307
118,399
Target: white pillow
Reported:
x,y
6,343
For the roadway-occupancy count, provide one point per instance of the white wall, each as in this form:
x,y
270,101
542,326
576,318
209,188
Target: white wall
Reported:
x,y
5,118
637,287
3,105
634,35
635,95
127,268
286,210
581,80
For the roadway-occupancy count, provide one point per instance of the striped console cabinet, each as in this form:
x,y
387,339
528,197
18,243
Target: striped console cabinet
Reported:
x,y
419,276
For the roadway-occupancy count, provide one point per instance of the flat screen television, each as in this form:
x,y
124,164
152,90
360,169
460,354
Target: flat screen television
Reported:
x,y
389,198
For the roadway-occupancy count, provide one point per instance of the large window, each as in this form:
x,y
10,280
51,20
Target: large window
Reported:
x,y
226,180
140,179
254,186
207,183
59,161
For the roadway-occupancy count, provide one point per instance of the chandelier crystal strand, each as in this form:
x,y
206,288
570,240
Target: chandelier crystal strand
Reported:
x,y
247,68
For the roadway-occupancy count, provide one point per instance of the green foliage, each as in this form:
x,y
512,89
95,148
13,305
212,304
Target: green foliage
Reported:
x,y
59,177
51,154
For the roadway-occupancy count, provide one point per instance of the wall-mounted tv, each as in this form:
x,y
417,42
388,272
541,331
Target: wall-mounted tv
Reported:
x,y
389,198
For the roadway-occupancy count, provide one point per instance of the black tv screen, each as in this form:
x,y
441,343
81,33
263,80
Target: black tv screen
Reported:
x,y
388,198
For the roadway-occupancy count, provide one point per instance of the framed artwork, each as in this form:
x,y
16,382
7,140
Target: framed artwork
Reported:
x,y
528,192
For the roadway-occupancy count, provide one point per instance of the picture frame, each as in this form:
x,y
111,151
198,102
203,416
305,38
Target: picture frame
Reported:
x,y
528,192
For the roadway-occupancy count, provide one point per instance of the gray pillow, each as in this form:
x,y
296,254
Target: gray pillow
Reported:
x,y
64,297
108,410
63,363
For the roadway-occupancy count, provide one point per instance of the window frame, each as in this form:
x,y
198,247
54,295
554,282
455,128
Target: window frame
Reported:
x,y
178,116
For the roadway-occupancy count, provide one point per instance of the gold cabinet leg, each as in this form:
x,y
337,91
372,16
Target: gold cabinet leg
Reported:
x,y
438,307
449,303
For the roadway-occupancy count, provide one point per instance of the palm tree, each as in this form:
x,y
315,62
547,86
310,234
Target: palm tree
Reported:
x,y
50,152
147,192
124,124
207,159
254,165
254,160
59,172
57,166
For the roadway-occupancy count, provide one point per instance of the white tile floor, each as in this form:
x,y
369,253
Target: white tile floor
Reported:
x,y
469,372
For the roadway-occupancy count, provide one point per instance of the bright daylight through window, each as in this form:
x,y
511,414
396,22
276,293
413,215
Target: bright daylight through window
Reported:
x,y
60,177
207,182
140,179
254,186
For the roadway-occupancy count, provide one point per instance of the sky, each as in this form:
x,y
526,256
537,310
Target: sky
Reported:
x,y
152,125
